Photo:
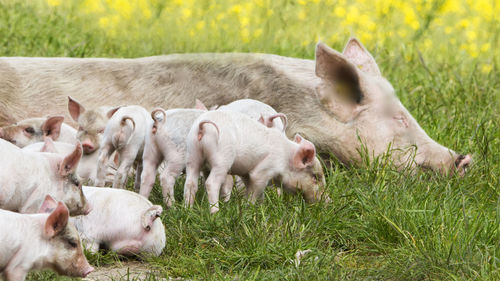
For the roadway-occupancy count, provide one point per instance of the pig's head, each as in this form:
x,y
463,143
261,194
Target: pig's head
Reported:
x,y
68,186
91,124
63,240
32,130
354,92
305,173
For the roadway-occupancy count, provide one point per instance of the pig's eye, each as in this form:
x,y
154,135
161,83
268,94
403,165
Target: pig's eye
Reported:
x,y
72,243
29,130
100,131
402,120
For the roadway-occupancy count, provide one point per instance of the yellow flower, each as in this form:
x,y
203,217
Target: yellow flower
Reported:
x,y
54,3
186,13
200,25
486,68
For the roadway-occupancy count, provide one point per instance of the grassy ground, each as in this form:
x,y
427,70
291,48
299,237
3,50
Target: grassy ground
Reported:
x,y
381,224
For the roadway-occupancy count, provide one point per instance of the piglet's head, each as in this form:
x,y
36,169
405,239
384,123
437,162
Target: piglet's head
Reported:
x,y
68,186
91,124
305,172
64,241
32,130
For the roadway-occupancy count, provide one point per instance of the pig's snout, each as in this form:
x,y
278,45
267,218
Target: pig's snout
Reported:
x,y
88,146
87,271
462,162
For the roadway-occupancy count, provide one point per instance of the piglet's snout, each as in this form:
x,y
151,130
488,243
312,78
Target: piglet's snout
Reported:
x,y
462,163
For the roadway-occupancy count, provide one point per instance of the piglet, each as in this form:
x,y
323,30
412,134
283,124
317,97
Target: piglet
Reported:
x,y
40,241
123,221
232,143
35,130
87,168
167,142
260,111
125,132
26,177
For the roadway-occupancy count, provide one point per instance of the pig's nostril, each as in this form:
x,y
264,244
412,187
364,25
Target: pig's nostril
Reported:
x,y
458,160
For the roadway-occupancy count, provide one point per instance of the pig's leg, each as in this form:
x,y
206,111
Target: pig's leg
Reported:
x,y
167,180
127,157
125,247
106,150
258,179
15,274
191,184
150,162
227,187
138,173
213,185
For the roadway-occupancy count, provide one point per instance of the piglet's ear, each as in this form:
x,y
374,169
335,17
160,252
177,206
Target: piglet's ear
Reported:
x,y
48,146
112,111
298,138
48,205
150,216
57,221
75,108
70,162
304,155
52,127
261,120
200,105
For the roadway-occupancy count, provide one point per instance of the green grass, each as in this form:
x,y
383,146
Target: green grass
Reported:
x,y
382,224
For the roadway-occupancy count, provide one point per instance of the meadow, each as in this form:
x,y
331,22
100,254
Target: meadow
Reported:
x,y
441,56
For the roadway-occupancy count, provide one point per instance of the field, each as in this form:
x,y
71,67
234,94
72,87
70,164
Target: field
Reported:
x,y
441,56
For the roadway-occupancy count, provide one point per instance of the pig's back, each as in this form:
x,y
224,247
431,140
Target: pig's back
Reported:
x,y
178,122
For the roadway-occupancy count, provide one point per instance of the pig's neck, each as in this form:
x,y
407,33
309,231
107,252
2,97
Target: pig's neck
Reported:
x,y
36,184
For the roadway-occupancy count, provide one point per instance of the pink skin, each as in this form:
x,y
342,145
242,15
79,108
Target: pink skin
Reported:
x,y
139,230
125,133
34,130
26,177
221,139
167,143
41,241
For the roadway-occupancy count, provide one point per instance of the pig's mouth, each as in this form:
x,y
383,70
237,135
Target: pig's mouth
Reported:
x,y
88,148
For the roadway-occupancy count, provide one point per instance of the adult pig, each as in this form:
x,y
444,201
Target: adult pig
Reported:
x,y
40,241
335,101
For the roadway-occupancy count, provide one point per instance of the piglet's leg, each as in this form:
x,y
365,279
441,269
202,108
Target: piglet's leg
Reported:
x,y
15,274
227,187
138,173
167,180
127,247
191,184
150,164
127,157
213,185
258,179
106,150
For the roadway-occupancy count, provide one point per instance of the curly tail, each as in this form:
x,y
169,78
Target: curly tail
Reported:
x,y
121,138
283,118
201,131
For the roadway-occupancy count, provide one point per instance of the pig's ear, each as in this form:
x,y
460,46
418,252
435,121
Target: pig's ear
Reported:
x,y
52,127
262,120
48,205
48,146
70,162
75,108
150,215
112,111
57,221
298,138
333,67
199,105
356,53
304,155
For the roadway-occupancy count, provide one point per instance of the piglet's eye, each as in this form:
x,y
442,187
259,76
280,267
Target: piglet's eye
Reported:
x,y
29,130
